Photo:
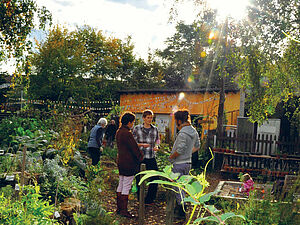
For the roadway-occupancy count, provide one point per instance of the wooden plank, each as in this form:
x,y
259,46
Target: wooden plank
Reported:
x,y
170,207
142,198
23,166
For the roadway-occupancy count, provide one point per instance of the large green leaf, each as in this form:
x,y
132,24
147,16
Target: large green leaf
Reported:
x,y
212,208
185,178
191,200
208,218
164,182
197,186
174,176
168,169
190,189
228,215
152,173
206,197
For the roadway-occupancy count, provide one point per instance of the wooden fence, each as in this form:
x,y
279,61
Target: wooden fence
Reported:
x,y
263,154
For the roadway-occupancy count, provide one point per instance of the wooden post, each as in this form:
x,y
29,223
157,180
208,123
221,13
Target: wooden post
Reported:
x,y
142,198
170,207
23,166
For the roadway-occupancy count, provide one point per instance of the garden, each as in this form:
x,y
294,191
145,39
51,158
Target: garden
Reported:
x,y
64,78
47,178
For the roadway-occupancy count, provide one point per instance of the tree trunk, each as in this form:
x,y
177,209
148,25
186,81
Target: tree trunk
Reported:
x,y
221,108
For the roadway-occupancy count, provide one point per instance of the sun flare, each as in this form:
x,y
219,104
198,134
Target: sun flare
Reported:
x,y
233,8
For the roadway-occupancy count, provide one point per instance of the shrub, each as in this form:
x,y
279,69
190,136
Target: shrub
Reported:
x,y
29,209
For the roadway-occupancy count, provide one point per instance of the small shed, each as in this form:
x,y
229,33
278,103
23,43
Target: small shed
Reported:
x,y
202,104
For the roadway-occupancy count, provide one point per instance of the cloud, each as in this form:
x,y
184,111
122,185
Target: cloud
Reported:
x,y
146,21
64,2
143,4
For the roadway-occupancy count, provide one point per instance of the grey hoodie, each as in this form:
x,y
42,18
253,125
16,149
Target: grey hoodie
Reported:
x,y
186,139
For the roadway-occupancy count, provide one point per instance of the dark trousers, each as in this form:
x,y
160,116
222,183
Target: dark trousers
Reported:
x,y
110,141
95,155
195,160
183,169
152,188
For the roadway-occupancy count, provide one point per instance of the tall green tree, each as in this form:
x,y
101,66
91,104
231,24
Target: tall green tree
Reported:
x,y
17,19
269,61
59,67
86,65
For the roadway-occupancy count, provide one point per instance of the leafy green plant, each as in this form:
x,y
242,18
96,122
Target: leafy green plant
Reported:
x,y
162,156
28,209
94,217
8,163
194,186
110,152
34,131
7,191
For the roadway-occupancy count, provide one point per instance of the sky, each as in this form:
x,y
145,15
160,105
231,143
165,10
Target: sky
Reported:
x,y
146,21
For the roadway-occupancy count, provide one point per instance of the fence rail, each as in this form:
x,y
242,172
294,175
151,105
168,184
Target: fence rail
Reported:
x,y
263,154
262,144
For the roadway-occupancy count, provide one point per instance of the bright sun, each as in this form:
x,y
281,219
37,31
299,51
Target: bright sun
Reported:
x,y
233,8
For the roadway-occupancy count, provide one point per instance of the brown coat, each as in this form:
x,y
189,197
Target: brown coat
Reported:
x,y
129,154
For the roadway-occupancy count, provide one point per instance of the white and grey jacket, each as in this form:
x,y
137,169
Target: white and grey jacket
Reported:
x,y
186,139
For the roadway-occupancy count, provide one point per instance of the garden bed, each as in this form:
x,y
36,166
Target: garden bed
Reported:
x,y
230,190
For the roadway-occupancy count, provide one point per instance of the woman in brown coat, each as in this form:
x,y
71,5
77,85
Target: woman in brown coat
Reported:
x,y
129,158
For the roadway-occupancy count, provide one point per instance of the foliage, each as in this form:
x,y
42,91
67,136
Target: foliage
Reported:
x,y
29,209
268,84
8,163
68,138
194,186
52,178
13,127
110,152
59,67
95,217
115,112
7,191
162,156
268,60
18,19
105,65
268,20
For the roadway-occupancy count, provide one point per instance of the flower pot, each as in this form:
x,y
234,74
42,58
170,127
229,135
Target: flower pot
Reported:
x,y
215,150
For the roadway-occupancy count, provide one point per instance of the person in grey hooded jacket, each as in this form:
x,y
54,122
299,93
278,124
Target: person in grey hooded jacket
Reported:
x,y
187,141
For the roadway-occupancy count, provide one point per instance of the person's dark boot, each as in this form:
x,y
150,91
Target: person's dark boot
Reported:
x,y
124,204
118,202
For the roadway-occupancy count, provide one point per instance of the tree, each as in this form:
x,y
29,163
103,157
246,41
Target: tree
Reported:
x,y
268,19
196,57
60,66
17,20
268,60
115,67
86,65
